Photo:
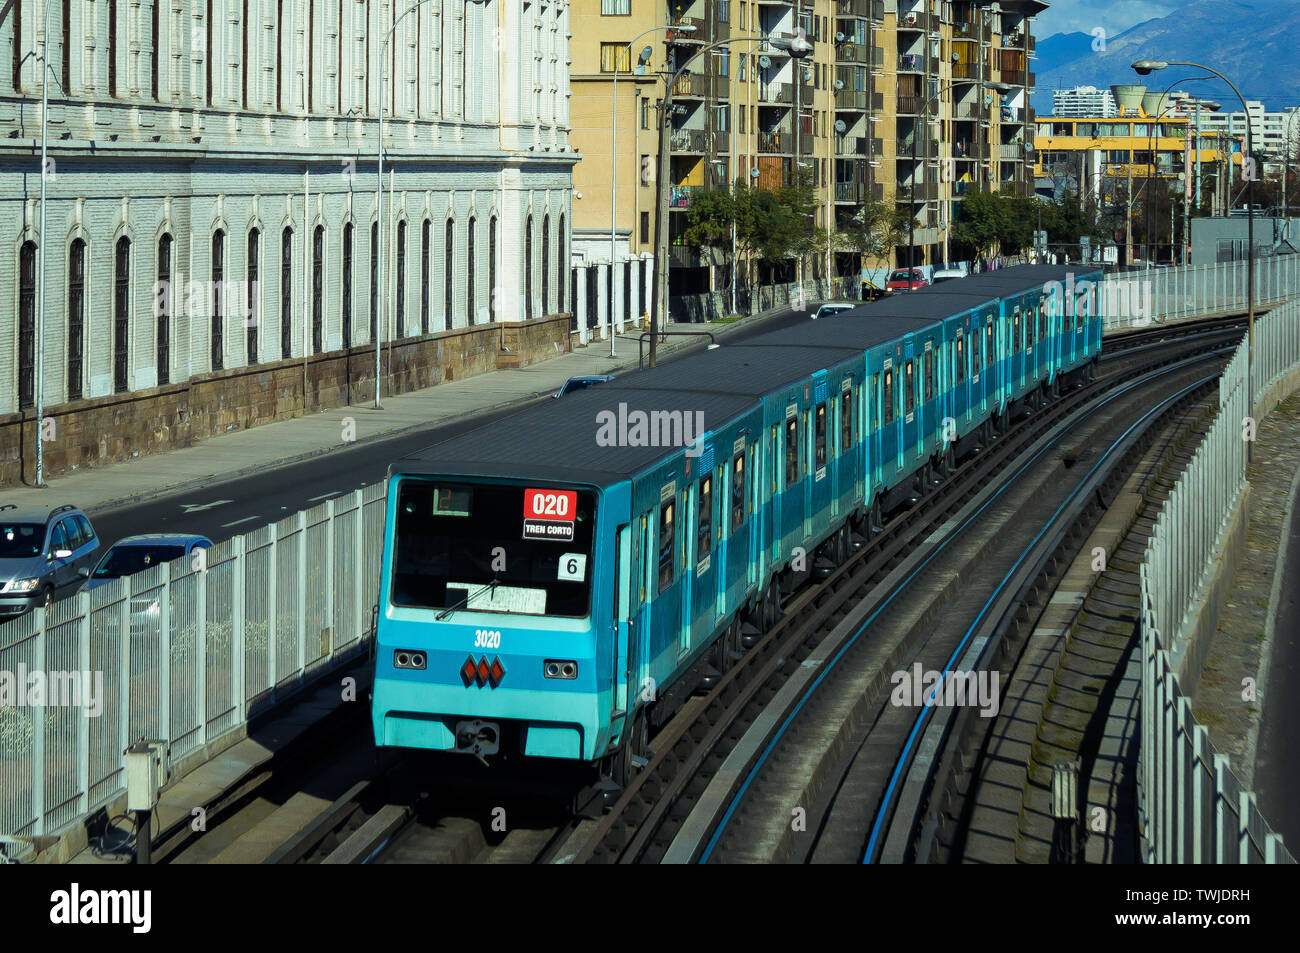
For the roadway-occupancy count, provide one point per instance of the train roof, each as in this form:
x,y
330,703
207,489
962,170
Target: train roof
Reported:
x,y
556,441
856,331
1018,278
740,368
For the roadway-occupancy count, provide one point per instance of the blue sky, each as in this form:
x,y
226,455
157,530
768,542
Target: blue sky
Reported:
x,y
1083,16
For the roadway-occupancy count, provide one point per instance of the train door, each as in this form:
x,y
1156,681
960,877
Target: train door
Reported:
x,y
748,479
805,470
625,581
724,539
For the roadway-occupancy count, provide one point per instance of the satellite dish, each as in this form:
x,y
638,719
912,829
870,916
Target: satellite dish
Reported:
x,y
839,37
765,61
839,84
753,173
841,126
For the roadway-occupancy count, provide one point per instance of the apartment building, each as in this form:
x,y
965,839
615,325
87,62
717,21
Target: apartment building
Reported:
x,y
230,145
914,102
1083,101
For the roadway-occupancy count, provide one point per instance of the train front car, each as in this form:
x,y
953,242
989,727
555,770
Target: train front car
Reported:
x,y
486,643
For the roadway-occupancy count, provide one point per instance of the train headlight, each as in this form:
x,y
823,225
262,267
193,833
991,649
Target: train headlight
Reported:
x,y
409,658
560,668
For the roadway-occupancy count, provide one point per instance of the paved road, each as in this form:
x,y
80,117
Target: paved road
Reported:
x,y
228,508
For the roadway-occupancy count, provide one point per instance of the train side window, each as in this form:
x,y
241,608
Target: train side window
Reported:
x,y
889,397
820,442
792,451
961,359
666,540
929,375
738,490
643,555
1015,331
988,343
704,536
909,389
846,420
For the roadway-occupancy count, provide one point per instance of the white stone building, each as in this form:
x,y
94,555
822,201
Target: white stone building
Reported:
x,y
232,143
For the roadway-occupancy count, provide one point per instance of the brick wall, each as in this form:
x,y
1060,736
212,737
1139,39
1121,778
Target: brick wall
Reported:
x,y
122,426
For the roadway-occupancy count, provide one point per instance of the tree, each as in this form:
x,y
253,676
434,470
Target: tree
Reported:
x,y
875,230
980,225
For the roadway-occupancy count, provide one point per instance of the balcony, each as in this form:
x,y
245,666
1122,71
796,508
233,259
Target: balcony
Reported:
x,y
911,63
774,142
775,94
850,191
692,86
697,37
1012,151
690,140
851,146
859,53
965,71
852,99
923,22
1018,77
967,112
925,192
853,8
910,105
681,196
685,256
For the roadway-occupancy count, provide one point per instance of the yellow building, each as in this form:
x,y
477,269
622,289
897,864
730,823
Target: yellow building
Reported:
x,y
879,78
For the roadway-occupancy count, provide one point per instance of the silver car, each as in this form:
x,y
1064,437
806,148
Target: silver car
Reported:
x,y
44,554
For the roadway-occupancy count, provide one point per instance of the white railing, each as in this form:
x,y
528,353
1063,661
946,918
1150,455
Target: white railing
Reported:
x,y
184,652
1156,295
1192,808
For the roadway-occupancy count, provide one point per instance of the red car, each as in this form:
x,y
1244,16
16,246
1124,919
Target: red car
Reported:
x,y
905,279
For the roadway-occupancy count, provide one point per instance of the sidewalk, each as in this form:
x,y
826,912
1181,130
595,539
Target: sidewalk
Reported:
x,y
258,449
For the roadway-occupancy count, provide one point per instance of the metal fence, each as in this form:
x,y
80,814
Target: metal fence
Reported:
x,y
1192,808
1135,298
184,652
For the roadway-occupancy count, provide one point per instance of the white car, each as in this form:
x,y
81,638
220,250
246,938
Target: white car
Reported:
x,y
827,310
948,274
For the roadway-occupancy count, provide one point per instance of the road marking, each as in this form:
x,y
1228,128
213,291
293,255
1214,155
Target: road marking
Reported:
x,y
326,496
237,522
200,507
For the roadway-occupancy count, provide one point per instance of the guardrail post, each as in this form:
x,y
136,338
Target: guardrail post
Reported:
x,y
331,527
83,722
1244,804
38,727
1222,834
302,594
201,648
123,610
238,622
273,611
165,660
360,611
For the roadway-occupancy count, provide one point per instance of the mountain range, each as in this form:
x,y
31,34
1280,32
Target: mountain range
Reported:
x,y
1255,43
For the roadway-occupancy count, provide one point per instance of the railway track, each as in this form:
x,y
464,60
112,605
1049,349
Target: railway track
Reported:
x,y
659,816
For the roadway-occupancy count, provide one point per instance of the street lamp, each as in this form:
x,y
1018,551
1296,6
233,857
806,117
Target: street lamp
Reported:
x,y
613,167
1145,68
39,344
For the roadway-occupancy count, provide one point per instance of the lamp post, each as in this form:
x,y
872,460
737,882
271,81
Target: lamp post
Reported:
x,y
613,169
664,180
40,305
1144,68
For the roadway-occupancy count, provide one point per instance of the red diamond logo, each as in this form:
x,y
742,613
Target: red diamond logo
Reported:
x,y
483,670
467,671
498,672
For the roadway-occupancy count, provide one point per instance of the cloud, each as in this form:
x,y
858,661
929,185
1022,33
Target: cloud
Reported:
x,y
1115,16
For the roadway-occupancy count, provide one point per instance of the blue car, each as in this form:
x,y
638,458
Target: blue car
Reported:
x,y
137,553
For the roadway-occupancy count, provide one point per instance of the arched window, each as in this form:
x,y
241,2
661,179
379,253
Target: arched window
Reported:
x,y
77,317
471,275
253,306
546,265
318,289
425,229
449,268
400,325
563,264
163,298
374,282
27,325
286,294
528,268
216,296
492,269
121,312
347,285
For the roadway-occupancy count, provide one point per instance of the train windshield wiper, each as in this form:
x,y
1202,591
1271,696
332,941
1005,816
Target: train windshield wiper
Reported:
x,y
490,587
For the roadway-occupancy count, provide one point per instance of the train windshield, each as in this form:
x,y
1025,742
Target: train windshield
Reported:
x,y
489,548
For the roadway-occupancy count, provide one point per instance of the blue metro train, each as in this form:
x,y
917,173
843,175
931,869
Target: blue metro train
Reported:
x,y
558,580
